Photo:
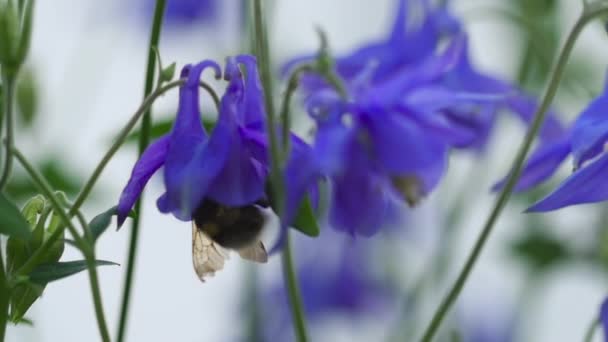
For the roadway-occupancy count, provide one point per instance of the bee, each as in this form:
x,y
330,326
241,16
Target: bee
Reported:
x,y
217,228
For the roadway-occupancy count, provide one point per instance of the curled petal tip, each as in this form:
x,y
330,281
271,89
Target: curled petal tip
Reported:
x,y
195,72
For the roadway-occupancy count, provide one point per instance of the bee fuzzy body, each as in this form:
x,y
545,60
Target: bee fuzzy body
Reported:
x,y
215,227
231,227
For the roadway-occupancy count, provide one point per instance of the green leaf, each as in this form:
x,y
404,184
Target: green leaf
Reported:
x,y
12,222
54,271
101,222
540,251
24,321
306,221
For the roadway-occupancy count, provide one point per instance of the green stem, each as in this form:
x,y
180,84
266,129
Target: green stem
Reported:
x,y
94,283
144,140
295,300
83,245
8,96
591,330
276,178
214,97
589,13
86,189
292,85
4,297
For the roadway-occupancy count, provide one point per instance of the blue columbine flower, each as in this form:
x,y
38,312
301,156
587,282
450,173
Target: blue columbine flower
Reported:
x,y
604,318
386,142
585,141
186,11
229,166
472,122
488,325
336,279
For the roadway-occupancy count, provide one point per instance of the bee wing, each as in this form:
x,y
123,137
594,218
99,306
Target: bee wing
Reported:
x,y
254,252
207,256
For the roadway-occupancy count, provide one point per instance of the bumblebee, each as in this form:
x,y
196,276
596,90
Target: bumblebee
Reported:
x,y
217,228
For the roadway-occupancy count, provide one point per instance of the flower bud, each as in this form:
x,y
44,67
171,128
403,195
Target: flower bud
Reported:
x,y
9,32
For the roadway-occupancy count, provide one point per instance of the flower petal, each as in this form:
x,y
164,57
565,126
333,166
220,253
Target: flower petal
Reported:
x,y
542,164
399,145
252,108
242,180
604,316
590,131
525,106
150,161
362,199
197,176
587,185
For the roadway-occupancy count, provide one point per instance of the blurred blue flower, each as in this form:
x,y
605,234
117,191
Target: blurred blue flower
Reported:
x,y
229,166
336,280
185,12
585,141
604,318
409,49
388,141
486,328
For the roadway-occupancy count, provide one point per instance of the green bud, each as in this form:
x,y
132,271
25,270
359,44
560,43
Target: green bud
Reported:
x,y
167,73
32,208
26,31
19,251
56,250
9,33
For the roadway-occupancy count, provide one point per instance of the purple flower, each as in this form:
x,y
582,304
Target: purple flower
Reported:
x,y
467,124
386,143
464,78
185,12
585,142
489,325
336,279
229,166
604,318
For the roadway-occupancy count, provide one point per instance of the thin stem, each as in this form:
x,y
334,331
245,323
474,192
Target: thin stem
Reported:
x,y
94,283
276,179
86,189
4,297
292,85
588,14
144,140
8,96
295,300
83,245
591,330
276,176
214,97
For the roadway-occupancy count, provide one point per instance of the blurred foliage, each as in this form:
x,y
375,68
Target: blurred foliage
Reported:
x,y
543,28
60,177
27,97
540,252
